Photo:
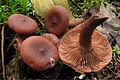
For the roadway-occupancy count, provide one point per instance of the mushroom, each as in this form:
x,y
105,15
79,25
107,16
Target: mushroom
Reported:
x,y
39,53
57,20
53,38
17,43
22,24
76,22
72,20
85,49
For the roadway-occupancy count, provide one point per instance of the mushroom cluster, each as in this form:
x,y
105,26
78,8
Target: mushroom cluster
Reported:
x,y
82,48
38,52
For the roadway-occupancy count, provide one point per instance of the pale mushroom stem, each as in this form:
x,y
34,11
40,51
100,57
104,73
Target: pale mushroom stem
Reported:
x,y
88,28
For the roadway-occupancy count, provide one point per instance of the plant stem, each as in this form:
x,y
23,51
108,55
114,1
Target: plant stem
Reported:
x,y
88,27
80,10
2,52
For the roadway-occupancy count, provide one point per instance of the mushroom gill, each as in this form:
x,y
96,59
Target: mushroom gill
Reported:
x,y
85,49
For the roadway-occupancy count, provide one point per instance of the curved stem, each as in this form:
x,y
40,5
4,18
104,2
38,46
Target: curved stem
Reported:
x,y
88,27
17,43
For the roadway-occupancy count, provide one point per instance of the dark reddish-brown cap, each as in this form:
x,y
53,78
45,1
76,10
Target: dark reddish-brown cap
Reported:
x,y
53,38
39,53
22,24
86,58
57,20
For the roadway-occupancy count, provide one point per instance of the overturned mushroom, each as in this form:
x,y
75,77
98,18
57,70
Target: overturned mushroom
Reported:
x,y
22,24
57,20
39,53
53,38
85,49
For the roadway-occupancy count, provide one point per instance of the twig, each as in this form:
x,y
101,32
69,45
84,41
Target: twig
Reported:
x,y
59,71
76,5
2,24
39,20
11,43
118,61
44,75
16,65
118,33
110,70
2,52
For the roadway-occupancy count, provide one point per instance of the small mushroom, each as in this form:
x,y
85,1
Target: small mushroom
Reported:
x,y
17,43
22,24
57,20
72,21
85,49
53,38
39,53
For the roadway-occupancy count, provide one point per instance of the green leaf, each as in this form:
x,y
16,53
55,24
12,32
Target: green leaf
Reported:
x,y
116,51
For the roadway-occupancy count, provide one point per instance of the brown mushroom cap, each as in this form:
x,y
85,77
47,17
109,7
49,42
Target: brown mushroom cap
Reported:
x,y
53,38
39,53
57,20
85,49
22,24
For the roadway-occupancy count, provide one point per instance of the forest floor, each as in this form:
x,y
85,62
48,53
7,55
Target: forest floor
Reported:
x,y
13,68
